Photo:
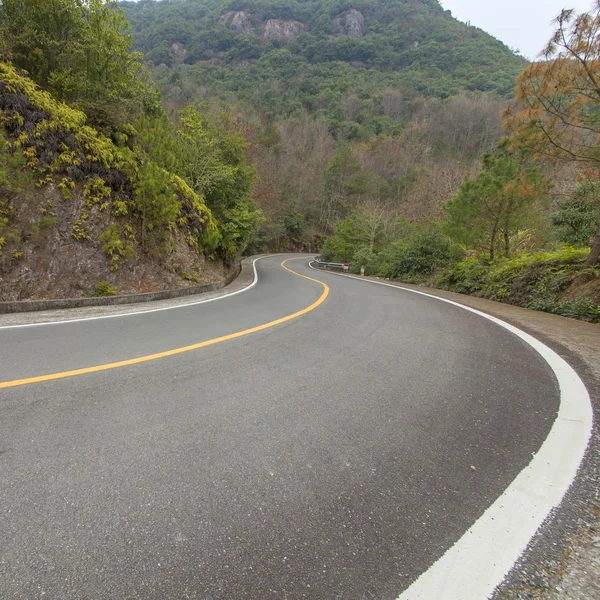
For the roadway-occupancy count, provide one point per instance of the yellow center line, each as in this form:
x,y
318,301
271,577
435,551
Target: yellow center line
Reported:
x,y
158,355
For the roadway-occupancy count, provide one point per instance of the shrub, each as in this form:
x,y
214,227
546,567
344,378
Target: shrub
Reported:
x,y
104,288
363,257
389,259
584,309
538,275
114,247
466,277
423,254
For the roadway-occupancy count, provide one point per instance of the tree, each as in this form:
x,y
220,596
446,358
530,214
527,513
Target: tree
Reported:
x,y
212,159
205,159
557,114
497,202
154,200
578,217
79,50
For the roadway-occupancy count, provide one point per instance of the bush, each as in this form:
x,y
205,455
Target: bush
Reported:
x,y
104,288
334,250
465,277
388,260
423,254
537,275
584,309
535,281
363,257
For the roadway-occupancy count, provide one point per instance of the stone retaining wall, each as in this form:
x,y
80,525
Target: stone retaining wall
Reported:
x,y
36,305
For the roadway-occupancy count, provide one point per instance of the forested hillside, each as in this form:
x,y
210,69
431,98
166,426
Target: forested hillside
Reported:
x,y
344,104
287,55
384,134
377,127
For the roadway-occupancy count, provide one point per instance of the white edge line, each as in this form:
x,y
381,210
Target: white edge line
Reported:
x,y
142,312
482,558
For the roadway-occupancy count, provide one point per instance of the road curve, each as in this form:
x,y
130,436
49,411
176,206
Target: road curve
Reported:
x,y
337,454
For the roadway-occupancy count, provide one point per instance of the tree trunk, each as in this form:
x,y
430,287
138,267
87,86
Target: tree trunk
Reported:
x,y
592,259
506,243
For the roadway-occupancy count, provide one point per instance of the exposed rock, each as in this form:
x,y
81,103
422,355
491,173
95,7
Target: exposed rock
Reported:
x,y
355,24
55,265
352,25
238,21
179,52
276,29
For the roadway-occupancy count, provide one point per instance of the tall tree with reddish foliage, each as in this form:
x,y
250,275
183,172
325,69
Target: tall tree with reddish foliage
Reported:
x,y
557,113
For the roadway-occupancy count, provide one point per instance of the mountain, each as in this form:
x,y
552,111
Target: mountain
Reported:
x,y
285,56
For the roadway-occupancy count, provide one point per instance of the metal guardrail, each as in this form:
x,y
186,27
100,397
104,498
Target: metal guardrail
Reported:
x,y
328,265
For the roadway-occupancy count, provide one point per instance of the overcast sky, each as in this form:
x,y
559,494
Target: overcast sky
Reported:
x,y
524,25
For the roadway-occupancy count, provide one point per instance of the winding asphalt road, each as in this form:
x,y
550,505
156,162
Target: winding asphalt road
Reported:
x,y
334,455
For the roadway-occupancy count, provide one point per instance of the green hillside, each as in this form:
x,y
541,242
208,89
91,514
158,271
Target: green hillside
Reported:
x,y
285,56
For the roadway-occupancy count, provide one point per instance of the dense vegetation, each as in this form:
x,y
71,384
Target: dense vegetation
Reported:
x,y
348,103
88,122
399,43
526,228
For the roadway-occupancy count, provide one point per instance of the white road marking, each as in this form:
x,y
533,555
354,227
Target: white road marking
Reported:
x,y
481,559
143,312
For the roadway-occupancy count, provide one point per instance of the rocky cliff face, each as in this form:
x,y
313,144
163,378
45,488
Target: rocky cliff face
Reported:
x,y
276,29
238,21
351,25
51,263
179,53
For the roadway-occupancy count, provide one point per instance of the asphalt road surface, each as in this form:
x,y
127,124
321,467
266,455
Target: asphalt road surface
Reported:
x,y
334,455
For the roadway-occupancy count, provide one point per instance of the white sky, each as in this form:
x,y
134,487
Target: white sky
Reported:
x,y
524,25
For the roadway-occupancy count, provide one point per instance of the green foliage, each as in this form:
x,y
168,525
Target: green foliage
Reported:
x,y
95,191
336,249
389,259
536,281
363,257
584,309
104,288
195,276
13,181
212,158
53,137
506,278
294,221
496,202
80,52
154,201
423,254
465,277
412,259
416,46
578,218
140,182
367,94
116,249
